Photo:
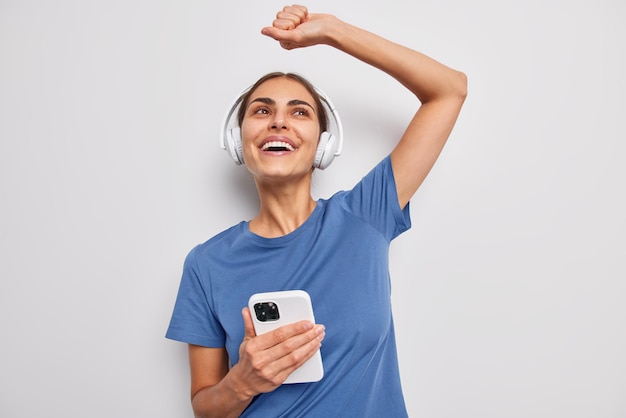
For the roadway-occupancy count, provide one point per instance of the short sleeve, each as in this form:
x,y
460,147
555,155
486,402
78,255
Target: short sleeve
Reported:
x,y
192,320
375,200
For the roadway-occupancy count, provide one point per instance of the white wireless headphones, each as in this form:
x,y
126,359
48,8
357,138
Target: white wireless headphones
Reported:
x,y
330,144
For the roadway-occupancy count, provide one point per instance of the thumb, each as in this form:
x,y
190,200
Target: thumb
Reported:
x,y
288,39
247,323
275,33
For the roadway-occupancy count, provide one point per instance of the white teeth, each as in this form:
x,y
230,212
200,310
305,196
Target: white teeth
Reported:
x,y
277,144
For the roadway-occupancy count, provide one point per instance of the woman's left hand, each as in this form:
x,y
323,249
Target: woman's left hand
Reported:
x,y
294,27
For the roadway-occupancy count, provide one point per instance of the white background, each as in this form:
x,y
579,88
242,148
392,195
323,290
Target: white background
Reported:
x,y
508,292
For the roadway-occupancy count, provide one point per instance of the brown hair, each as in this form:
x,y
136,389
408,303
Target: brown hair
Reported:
x,y
321,111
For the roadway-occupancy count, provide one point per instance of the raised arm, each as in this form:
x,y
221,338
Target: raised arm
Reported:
x,y
440,89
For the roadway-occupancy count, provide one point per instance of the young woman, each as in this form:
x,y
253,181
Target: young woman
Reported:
x,y
335,249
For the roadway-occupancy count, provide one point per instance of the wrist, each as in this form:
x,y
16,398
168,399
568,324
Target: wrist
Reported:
x,y
335,31
341,35
237,386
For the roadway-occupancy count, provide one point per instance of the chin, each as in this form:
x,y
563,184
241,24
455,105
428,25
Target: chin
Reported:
x,y
281,172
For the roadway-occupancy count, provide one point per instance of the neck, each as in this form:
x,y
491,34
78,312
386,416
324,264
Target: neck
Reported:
x,y
283,208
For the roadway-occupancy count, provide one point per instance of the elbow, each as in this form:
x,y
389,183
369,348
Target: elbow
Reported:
x,y
459,85
452,88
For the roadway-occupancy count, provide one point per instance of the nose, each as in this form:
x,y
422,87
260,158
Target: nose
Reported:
x,y
279,121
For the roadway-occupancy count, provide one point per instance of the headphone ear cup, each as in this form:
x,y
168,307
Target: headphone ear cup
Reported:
x,y
326,150
234,146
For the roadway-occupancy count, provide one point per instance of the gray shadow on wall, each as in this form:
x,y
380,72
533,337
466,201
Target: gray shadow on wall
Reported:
x,y
244,194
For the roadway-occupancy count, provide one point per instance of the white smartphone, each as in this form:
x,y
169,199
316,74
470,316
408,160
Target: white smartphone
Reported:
x,y
275,309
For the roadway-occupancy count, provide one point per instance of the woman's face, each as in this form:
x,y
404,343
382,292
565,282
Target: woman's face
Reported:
x,y
280,130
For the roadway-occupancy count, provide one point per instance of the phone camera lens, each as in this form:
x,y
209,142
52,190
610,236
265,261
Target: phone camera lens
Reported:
x,y
266,311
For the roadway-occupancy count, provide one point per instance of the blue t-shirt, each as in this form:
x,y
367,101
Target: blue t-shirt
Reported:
x,y
340,256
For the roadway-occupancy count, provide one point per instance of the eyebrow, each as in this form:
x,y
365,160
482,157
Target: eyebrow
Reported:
x,y
272,102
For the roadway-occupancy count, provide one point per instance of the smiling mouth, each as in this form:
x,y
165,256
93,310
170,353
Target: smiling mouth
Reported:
x,y
277,146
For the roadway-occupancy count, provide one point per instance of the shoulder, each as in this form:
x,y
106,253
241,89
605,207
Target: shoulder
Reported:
x,y
218,241
378,178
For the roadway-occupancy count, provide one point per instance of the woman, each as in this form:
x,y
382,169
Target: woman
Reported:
x,y
335,249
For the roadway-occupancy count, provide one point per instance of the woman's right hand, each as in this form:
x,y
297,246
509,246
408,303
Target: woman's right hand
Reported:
x,y
266,360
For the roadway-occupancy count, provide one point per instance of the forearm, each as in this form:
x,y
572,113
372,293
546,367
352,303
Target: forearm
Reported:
x,y
222,400
440,89
427,78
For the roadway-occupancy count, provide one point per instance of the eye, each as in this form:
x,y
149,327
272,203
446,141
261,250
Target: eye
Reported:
x,y
301,112
261,110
